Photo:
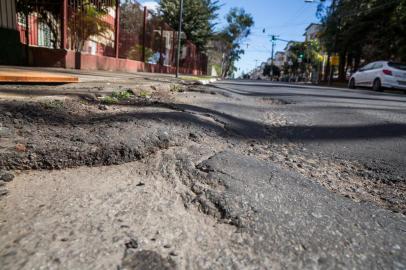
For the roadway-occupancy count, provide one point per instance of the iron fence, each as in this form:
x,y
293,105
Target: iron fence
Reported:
x,y
39,25
125,30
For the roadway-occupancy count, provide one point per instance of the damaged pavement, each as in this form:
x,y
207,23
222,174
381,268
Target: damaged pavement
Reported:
x,y
191,177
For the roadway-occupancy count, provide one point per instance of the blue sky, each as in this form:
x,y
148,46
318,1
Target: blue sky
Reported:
x,y
286,18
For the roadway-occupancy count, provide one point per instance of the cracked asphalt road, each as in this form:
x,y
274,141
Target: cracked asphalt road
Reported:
x,y
356,124
237,175
298,224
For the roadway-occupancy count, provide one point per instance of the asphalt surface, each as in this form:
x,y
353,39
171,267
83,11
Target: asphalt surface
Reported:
x,y
359,125
235,175
298,224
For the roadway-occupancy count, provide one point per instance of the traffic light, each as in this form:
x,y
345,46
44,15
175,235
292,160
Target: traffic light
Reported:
x,y
301,55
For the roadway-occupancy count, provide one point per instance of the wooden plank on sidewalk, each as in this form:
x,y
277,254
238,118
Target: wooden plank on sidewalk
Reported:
x,y
27,76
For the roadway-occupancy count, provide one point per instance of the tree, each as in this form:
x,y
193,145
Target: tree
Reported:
x,y
238,29
48,14
198,18
304,57
364,29
275,70
131,31
86,21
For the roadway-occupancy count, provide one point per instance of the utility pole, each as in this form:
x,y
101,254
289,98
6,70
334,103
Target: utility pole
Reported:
x,y
273,48
179,37
273,41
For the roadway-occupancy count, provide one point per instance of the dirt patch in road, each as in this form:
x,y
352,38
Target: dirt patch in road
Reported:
x,y
56,134
119,216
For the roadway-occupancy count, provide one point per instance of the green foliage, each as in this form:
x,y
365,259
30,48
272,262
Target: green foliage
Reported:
x,y
364,29
308,52
144,94
109,100
217,67
268,68
122,95
25,6
53,104
131,17
176,88
86,21
198,18
238,28
116,97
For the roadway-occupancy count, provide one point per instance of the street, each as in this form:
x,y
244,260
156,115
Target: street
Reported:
x,y
232,175
356,125
202,134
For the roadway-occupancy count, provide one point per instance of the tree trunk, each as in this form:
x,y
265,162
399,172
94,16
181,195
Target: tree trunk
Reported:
x,y
225,67
341,67
327,68
357,61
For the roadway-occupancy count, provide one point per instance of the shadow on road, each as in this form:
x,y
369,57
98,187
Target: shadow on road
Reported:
x,y
379,97
219,122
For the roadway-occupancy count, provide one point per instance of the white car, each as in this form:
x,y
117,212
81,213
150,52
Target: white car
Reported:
x,y
379,75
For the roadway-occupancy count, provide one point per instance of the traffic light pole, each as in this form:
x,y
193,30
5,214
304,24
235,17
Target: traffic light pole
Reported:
x,y
273,48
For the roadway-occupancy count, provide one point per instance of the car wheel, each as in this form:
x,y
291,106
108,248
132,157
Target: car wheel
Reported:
x,y
351,85
377,86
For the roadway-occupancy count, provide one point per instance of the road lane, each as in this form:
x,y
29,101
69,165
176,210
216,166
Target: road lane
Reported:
x,y
359,125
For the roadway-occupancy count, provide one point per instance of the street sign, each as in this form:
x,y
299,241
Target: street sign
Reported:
x,y
335,60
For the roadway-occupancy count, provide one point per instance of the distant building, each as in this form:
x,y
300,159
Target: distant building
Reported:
x,y
312,31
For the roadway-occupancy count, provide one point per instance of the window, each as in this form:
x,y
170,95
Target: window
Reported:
x,y
44,35
397,65
378,66
21,19
367,67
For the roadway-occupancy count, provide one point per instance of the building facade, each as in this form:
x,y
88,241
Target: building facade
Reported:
x,y
86,34
312,31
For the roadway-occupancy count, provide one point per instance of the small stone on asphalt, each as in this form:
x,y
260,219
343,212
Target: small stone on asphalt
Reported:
x,y
173,253
6,176
132,244
3,192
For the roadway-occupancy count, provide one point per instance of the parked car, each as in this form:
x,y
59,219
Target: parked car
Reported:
x,y
380,75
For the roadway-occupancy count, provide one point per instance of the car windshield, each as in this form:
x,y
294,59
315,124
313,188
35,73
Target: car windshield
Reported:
x,y
398,65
